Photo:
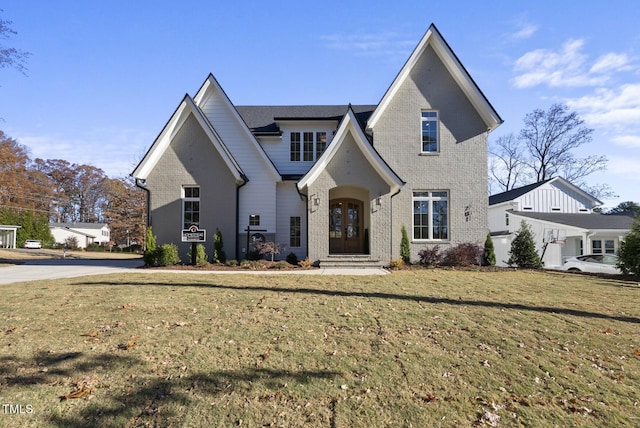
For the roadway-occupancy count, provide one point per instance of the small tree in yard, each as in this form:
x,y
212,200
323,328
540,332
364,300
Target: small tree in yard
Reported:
x,y
219,255
489,254
629,251
270,248
150,253
523,249
405,249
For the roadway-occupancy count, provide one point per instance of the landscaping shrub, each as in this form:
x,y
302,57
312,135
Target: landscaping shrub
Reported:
x,y
167,255
254,254
523,249
430,256
465,254
305,263
629,251
405,249
232,263
71,243
281,265
251,264
96,247
488,254
149,255
201,255
292,259
219,255
396,263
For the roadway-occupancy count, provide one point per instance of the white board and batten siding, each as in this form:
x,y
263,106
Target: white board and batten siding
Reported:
x,y
291,205
258,196
279,149
549,198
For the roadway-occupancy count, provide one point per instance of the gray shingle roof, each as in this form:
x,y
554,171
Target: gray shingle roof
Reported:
x,y
262,119
584,221
514,193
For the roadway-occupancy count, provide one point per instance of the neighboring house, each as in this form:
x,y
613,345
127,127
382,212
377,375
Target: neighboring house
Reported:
x,y
561,217
332,183
85,233
8,235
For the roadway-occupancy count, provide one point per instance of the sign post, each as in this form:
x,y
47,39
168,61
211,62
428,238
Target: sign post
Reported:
x,y
194,235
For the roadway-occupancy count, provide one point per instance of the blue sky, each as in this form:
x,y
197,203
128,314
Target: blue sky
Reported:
x,y
104,77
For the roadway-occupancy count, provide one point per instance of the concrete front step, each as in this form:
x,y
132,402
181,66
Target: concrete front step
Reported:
x,y
350,261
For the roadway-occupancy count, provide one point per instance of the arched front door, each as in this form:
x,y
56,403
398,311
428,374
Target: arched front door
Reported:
x,y
345,226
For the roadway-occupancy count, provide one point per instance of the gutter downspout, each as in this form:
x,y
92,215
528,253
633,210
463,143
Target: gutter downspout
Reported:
x,y
391,228
246,180
148,192
305,198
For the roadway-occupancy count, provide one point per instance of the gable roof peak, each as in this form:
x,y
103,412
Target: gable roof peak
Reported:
x,y
433,38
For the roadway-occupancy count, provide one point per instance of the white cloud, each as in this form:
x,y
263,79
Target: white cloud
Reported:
x,y
525,31
627,167
628,141
614,107
611,62
566,67
374,44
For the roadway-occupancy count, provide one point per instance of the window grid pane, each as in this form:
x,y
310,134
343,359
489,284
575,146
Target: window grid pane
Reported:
x,y
191,207
308,147
295,146
430,215
321,143
429,131
294,231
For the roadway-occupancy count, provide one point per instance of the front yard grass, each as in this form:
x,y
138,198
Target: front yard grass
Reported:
x,y
414,348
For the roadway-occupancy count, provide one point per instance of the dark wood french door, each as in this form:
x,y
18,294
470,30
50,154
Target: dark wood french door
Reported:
x,y
345,226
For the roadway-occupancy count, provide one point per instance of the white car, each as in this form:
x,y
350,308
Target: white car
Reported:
x,y
593,263
32,243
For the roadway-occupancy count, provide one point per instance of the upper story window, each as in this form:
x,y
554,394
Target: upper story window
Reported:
x,y
190,206
429,121
430,215
295,147
321,143
307,146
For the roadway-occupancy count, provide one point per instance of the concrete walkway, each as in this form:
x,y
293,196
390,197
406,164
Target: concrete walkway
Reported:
x,y
43,269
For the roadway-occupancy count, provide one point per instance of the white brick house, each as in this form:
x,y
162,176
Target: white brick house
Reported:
x,y
330,182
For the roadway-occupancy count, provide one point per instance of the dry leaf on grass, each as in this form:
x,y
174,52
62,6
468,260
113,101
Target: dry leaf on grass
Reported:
x,y
83,387
130,344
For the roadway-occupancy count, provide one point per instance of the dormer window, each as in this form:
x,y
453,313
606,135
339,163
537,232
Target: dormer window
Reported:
x,y
307,146
429,123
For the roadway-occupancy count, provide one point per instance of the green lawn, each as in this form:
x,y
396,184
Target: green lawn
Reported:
x,y
414,348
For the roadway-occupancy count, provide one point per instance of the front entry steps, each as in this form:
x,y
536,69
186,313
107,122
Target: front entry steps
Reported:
x,y
350,261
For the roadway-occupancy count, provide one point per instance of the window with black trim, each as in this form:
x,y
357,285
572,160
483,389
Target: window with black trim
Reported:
x,y
295,147
307,146
294,231
321,143
254,220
